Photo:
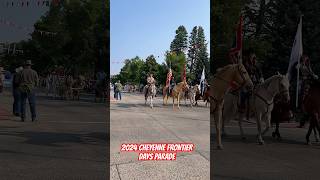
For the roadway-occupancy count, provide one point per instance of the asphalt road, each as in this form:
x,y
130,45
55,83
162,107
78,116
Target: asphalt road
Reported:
x,y
68,142
133,122
288,159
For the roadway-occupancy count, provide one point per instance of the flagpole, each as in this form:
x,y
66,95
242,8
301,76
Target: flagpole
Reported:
x,y
298,69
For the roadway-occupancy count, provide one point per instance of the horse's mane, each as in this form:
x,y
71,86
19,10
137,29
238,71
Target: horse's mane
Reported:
x,y
268,81
223,69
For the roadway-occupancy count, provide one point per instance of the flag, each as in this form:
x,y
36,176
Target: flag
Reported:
x,y
237,44
184,78
202,81
169,75
297,49
296,53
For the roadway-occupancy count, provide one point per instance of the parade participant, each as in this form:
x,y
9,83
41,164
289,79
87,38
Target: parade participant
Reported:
x,y
28,81
16,92
255,73
244,94
101,75
306,78
118,90
172,84
150,81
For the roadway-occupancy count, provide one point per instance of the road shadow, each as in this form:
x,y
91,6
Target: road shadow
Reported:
x,y
57,139
81,99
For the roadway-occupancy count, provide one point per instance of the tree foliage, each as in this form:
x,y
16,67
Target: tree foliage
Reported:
x,y
80,44
180,42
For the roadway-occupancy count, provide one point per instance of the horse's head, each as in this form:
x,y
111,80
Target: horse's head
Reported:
x,y
283,86
241,76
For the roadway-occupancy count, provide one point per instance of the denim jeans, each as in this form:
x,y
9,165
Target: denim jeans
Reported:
x,y
16,101
32,102
119,95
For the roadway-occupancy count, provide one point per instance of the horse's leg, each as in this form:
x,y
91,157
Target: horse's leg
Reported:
x,y
178,100
315,134
173,102
240,126
277,132
151,99
258,118
317,127
190,98
217,117
311,125
268,124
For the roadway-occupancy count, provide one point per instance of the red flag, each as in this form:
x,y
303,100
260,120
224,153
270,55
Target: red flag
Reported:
x,y
169,76
184,78
237,46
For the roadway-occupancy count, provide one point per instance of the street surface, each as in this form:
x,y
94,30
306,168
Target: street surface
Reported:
x,y
288,159
68,142
133,122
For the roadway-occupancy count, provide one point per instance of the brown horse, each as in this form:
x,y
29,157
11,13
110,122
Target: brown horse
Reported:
x,y
205,97
311,105
177,92
165,95
220,83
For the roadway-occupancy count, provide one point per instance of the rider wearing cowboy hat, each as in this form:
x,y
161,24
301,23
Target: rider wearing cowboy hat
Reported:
x,y
150,81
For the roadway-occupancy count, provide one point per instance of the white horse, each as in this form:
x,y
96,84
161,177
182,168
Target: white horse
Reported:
x,y
149,91
260,103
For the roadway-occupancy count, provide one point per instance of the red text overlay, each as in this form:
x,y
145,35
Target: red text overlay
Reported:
x,y
157,151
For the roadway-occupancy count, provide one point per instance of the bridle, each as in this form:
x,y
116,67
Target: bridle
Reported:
x,y
244,81
282,92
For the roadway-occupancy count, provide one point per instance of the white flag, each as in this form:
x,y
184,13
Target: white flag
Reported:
x,y
202,81
297,49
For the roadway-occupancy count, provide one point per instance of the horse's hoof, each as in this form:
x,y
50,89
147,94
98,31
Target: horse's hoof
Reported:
x,y
220,147
224,135
308,143
273,134
261,143
279,138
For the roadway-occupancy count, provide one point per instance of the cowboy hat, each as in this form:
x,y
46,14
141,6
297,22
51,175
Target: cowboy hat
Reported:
x,y
28,62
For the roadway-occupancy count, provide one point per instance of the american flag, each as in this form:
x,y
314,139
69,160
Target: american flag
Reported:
x,y
237,45
169,75
184,78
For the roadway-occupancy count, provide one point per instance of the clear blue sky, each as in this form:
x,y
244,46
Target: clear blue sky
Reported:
x,y
145,27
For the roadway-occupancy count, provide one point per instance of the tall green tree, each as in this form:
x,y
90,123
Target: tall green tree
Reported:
x,y
180,42
192,49
81,40
224,15
202,57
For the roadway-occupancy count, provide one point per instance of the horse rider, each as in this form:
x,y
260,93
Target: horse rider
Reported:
x,y
255,73
171,84
307,76
150,81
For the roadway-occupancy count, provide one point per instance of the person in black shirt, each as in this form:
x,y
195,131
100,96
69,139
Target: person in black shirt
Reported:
x,y
16,92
